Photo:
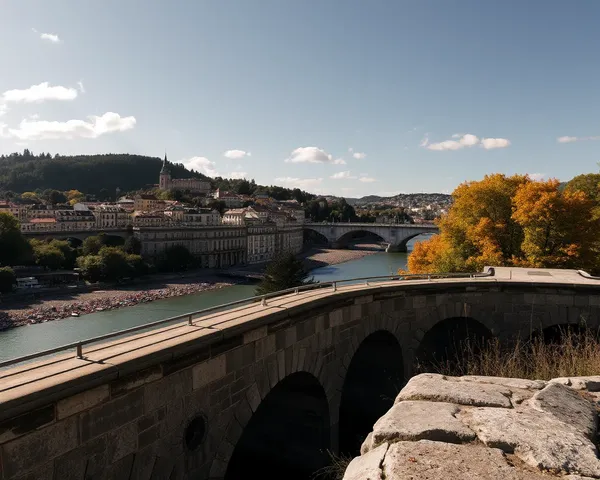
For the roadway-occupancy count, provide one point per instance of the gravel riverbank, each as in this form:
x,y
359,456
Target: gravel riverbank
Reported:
x,y
73,304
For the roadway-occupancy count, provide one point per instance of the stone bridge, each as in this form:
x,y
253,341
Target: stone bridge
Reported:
x,y
265,389
78,234
338,235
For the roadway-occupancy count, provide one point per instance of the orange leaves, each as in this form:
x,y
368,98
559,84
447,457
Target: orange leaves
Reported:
x,y
504,220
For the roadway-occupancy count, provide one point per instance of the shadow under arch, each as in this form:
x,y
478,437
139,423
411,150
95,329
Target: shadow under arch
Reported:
x,y
402,246
373,379
289,434
361,234
560,333
448,344
312,237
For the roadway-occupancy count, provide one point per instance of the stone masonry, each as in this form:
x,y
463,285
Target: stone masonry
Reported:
x,y
124,410
485,428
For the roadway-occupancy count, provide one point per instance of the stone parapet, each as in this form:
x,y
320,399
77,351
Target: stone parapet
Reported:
x,y
485,428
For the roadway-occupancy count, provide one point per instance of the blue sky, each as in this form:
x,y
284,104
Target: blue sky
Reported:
x,y
349,97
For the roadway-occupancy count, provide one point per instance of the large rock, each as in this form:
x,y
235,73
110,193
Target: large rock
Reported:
x,y
367,466
538,438
418,420
511,383
426,460
591,384
567,406
439,388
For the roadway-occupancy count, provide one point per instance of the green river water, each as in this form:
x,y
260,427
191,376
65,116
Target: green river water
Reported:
x,y
33,338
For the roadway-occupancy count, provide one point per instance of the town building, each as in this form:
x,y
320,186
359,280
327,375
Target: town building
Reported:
x,y
146,203
231,200
193,216
75,220
166,182
214,247
111,216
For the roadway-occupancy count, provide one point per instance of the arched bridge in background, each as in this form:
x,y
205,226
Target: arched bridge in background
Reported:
x,y
264,388
396,236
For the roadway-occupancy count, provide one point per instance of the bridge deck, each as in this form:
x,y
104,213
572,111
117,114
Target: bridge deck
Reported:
x,y
25,386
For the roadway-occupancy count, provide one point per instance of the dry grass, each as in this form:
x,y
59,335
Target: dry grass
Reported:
x,y
577,354
335,470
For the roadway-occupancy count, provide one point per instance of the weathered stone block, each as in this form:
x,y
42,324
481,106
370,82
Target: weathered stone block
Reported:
x,y
254,335
176,385
32,450
82,401
28,422
135,380
265,346
112,415
209,371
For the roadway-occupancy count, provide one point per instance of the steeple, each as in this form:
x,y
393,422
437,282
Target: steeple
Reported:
x,y
165,165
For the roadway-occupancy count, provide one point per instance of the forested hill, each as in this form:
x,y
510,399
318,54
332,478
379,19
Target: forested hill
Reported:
x,y
92,174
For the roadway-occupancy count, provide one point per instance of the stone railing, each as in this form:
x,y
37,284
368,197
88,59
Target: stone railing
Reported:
x,y
485,428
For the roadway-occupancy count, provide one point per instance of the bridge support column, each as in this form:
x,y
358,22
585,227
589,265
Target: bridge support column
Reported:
x,y
397,248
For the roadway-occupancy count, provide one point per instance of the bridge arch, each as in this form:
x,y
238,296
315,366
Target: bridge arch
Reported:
x,y
374,377
345,238
310,235
402,246
288,435
449,341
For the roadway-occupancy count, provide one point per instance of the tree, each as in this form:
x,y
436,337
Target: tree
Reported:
x,y
7,279
505,221
47,255
133,245
92,267
92,245
285,271
54,196
14,248
175,259
74,196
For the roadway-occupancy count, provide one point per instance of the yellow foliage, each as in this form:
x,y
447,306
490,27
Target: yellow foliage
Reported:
x,y
503,221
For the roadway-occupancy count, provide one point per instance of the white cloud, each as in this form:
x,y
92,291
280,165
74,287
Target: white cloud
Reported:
x,y
537,176
236,154
201,164
92,128
3,109
39,93
49,37
464,141
491,143
80,86
313,155
342,176
424,141
299,182
567,139
238,175
359,155
350,150
367,179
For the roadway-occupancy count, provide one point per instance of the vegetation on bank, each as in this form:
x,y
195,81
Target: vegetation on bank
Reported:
x,y
516,221
576,353
285,271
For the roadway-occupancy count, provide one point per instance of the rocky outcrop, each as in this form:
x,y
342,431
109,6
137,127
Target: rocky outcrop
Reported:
x,y
485,428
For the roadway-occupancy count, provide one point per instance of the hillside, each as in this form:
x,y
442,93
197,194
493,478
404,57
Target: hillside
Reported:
x,y
91,174
403,199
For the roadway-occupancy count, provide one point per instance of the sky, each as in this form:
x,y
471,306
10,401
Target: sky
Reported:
x,y
346,97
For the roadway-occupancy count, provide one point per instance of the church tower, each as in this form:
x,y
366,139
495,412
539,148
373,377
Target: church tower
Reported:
x,y
164,182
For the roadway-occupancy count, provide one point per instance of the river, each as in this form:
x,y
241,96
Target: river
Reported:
x,y
29,339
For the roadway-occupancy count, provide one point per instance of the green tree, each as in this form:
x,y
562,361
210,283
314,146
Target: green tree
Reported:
x,y
54,196
92,267
14,248
92,245
7,279
285,271
47,255
114,263
137,265
175,259
133,245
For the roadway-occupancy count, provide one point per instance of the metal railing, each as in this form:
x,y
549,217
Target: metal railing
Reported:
x,y
189,317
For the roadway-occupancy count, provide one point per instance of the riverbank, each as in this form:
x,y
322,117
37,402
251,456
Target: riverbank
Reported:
x,y
59,305
73,305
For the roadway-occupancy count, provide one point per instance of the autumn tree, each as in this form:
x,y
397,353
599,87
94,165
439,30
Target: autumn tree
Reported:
x,y
505,221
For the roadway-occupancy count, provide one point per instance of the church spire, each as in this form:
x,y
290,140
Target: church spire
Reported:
x,y
165,165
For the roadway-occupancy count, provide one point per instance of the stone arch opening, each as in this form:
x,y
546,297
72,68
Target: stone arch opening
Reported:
x,y
288,436
373,379
312,237
561,333
358,236
403,244
449,343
